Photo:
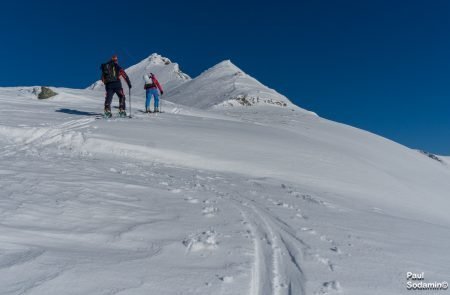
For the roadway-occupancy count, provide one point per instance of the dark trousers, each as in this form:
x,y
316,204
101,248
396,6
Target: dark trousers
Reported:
x,y
109,96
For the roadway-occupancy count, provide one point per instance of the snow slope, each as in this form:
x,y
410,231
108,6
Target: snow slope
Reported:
x,y
445,159
226,85
249,200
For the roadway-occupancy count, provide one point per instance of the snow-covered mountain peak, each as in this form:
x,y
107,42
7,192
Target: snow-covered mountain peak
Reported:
x,y
223,69
158,59
226,85
226,64
227,72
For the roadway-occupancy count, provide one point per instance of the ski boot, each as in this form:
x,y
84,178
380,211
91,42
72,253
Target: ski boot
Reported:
x,y
122,113
156,110
107,114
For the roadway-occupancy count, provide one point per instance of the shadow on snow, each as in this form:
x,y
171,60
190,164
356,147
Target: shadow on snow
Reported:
x,y
77,112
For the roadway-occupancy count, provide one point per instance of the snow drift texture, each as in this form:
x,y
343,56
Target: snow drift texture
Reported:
x,y
210,197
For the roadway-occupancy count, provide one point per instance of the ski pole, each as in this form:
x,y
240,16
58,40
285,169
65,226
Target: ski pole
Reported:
x,y
129,97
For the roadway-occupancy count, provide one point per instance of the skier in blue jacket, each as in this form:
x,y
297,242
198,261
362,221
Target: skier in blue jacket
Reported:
x,y
151,89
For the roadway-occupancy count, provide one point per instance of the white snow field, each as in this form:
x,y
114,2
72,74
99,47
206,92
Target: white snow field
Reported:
x,y
210,197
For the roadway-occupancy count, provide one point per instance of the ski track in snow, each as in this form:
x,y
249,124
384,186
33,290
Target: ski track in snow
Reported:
x,y
278,252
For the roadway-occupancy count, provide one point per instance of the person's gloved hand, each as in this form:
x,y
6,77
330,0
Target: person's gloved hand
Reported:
x,y
129,86
162,92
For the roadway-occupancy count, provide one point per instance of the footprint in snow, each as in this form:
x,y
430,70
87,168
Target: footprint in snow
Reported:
x,y
326,239
209,211
192,200
283,204
209,202
336,249
324,261
226,279
308,230
305,197
332,287
334,246
300,214
309,198
206,240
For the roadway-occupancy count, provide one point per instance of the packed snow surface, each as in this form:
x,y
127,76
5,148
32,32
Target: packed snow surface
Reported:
x,y
210,199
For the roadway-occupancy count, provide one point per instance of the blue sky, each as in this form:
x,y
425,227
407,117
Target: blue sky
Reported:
x,y
383,66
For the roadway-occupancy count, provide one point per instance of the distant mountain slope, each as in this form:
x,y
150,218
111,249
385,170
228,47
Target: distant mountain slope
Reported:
x,y
225,85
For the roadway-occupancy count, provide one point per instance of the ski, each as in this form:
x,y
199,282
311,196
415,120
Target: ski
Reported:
x,y
150,112
110,116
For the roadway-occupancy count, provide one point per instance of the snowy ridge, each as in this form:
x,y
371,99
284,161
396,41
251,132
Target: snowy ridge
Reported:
x,y
432,156
225,85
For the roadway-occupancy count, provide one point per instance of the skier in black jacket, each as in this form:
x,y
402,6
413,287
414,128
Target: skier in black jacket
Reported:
x,y
111,79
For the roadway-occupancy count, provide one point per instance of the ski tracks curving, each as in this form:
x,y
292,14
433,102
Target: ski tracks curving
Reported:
x,y
281,257
278,254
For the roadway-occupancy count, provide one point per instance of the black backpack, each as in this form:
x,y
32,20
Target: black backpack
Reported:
x,y
109,72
